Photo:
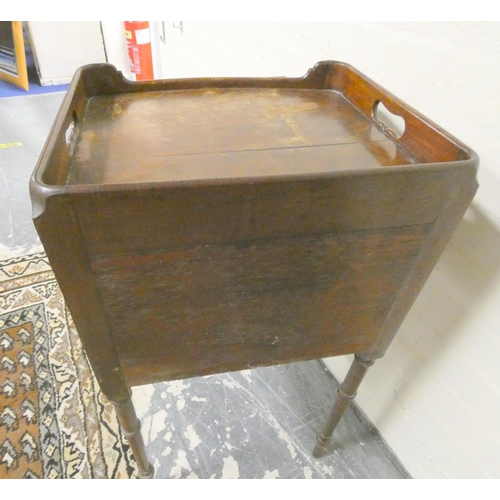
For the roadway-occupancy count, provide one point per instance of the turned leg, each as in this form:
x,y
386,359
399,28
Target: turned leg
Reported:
x,y
131,427
345,394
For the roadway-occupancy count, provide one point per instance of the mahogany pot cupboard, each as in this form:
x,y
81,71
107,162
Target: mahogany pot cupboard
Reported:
x,y
199,226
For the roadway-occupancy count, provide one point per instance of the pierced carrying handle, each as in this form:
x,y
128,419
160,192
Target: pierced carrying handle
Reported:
x,y
425,140
72,133
390,123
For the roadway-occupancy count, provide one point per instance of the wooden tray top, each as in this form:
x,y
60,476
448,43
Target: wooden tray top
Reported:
x,y
221,133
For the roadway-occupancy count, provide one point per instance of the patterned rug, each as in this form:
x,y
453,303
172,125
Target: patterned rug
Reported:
x,y
54,421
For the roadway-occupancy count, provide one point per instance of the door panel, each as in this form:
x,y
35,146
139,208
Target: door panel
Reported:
x,y
12,56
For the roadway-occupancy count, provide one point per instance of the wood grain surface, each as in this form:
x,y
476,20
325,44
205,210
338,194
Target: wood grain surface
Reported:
x,y
225,133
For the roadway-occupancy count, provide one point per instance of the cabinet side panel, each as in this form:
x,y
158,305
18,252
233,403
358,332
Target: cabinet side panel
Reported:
x,y
60,235
216,308
203,279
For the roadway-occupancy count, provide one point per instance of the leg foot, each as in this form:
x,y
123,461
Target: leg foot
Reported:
x,y
345,394
131,427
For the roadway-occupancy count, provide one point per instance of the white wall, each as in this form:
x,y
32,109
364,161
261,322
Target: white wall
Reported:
x,y
435,396
62,47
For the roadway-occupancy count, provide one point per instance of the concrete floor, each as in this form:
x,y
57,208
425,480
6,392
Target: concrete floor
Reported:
x,y
24,125
258,423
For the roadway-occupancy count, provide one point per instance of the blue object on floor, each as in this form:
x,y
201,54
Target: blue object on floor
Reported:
x,y
8,90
